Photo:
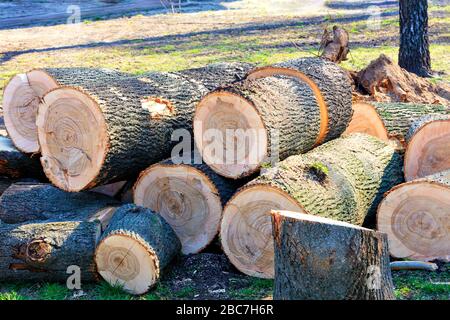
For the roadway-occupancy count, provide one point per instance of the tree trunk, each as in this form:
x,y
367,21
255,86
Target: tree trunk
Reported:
x,y
216,75
414,54
389,120
43,251
109,128
135,247
24,202
270,119
189,197
15,164
415,216
331,87
344,179
323,259
428,150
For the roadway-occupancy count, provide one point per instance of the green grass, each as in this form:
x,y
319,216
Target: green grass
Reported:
x,y
53,291
11,295
416,285
257,289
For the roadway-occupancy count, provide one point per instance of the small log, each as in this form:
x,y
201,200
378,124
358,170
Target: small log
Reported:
x,y
25,202
189,197
416,217
389,120
323,259
137,245
15,164
344,179
428,150
413,265
43,251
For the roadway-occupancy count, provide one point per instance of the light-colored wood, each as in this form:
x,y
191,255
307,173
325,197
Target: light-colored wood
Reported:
x,y
124,262
246,228
428,150
272,71
366,120
111,189
72,151
186,199
21,99
220,113
416,218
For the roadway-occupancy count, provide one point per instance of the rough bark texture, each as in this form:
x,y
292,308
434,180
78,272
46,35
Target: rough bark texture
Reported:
x,y
323,260
15,164
43,251
288,110
334,46
419,123
334,85
344,179
147,228
216,75
398,117
138,137
23,202
414,54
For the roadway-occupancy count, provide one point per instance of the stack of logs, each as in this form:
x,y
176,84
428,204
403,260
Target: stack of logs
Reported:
x,y
328,170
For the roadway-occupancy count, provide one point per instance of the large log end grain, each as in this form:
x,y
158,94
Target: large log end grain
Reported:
x,y
416,217
331,86
323,259
428,150
189,197
344,179
21,98
137,245
43,251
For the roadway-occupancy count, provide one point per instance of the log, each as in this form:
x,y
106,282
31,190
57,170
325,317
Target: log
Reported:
x,y
268,119
111,127
322,259
15,164
330,84
43,251
189,196
344,179
389,120
24,92
428,150
137,245
413,265
26,202
217,75
416,217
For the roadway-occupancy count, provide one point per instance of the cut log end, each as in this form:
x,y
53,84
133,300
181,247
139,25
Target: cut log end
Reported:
x,y
246,229
428,150
415,217
270,71
366,120
73,139
124,262
221,120
21,99
186,198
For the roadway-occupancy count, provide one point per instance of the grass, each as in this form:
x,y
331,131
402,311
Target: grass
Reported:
x,y
417,285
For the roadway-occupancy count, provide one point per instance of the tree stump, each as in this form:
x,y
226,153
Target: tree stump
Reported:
x,y
323,259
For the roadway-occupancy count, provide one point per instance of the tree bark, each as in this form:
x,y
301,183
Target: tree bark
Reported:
x,y
323,259
15,164
25,202
43,251
137,245
414,54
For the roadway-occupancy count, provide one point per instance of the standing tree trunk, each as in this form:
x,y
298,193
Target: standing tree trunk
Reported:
x,y
414,53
